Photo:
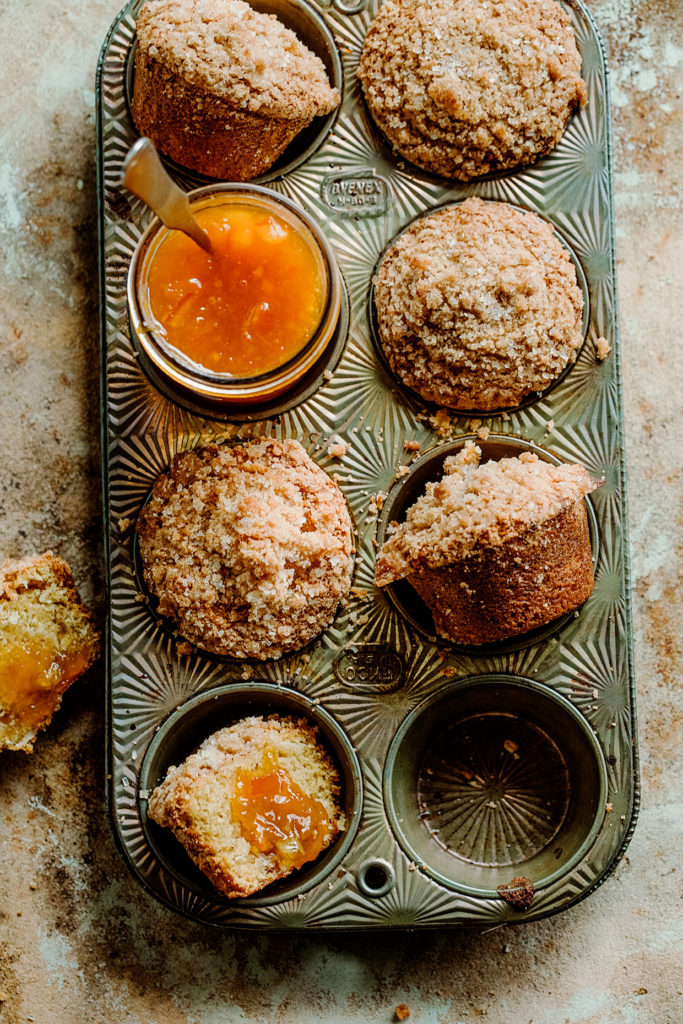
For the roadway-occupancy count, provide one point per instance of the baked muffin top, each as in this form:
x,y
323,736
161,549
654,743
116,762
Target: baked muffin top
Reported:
x,y
247,547
464,88
478,506
478,305
228,50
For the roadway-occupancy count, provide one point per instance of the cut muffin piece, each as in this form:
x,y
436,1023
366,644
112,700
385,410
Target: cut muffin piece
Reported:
x,y
495,550
221,88
257,800
478,306
247,547
47,640
463,88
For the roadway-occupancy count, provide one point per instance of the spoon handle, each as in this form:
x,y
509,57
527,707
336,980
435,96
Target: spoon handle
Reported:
x,y
146,177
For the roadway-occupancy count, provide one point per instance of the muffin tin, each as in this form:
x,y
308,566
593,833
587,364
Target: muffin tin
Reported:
x,y
462,768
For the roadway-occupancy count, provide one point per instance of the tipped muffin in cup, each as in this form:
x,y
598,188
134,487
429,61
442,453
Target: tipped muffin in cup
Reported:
x,y
478,306
222,88
495,550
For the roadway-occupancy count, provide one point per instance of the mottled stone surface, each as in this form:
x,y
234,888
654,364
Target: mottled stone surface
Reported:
x,y
79,939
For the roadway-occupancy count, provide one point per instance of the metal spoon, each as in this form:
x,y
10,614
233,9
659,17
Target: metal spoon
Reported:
x,y
146,177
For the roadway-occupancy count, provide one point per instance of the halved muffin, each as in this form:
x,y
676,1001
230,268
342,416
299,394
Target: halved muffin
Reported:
x,y
256,801
47,641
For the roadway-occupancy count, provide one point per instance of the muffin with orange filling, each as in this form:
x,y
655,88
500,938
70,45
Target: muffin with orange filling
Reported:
x,y
256,801
47,641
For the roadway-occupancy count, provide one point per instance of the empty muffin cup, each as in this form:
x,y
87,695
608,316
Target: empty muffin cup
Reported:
x,y
429,468
202,716
499,778
252,321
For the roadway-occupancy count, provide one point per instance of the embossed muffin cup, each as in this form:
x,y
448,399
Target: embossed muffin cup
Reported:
x,y
197,386
191,723
501,594
310,27
498,778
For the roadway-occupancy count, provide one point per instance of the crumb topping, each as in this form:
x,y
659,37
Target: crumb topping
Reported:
x,y
233,52
464,88
478,305
602,348
478,506
247,546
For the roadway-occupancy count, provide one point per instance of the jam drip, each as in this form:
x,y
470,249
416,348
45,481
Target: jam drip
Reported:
x,y
275,815
32,681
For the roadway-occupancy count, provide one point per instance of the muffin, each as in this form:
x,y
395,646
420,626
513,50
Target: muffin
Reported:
x,y
478,306
221,88
463,89
247,547
256,801
495,550
47,641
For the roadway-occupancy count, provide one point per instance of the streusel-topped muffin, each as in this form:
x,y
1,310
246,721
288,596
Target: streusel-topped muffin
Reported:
x,y
463,88
478,306
256,801
247,547
495,549
222,88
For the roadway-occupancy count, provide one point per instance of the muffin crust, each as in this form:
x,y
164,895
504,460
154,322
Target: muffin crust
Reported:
x,y
462,88
478,306
495,550
247,547
222,88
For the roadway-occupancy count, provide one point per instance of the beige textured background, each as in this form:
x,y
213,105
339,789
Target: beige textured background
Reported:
x,y
79,940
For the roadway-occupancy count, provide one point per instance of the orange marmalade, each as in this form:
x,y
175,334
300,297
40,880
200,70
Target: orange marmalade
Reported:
x,y
276,816
248,308
32,681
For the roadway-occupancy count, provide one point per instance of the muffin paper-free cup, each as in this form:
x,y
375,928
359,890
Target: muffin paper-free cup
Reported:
x,y
541,727
497,777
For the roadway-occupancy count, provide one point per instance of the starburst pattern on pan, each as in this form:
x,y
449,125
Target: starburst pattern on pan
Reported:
x,y
589,232
589,391
154,683
137,407
374,828
594,677
358,251
368,395
311,418
372,718
132,623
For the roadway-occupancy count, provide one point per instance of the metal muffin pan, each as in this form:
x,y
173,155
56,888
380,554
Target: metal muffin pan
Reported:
x,y
461,767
